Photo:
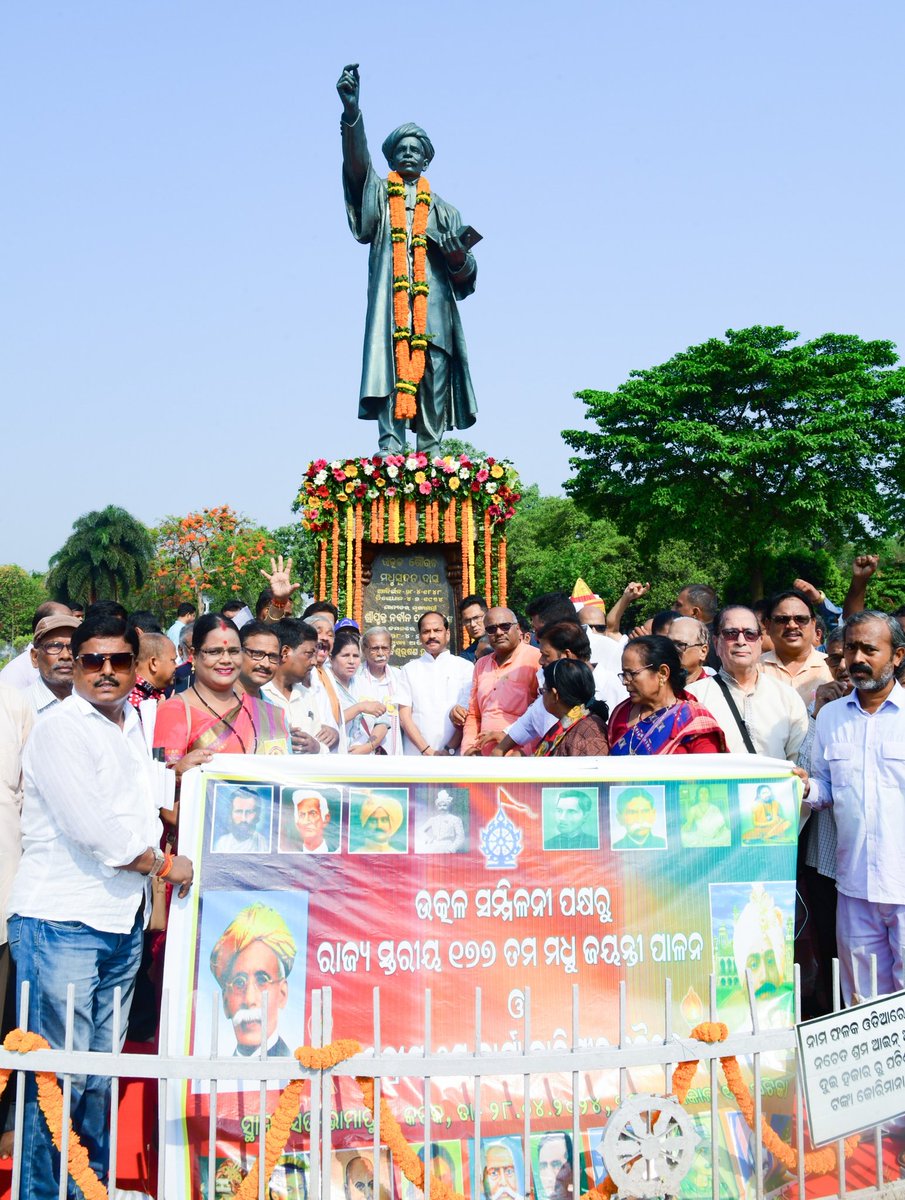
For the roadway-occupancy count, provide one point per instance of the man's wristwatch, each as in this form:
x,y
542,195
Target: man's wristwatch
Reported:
x,y
159,859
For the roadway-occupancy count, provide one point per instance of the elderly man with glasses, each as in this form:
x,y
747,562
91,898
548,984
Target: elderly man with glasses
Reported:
x,y
757,713
691,638
794,660
52,655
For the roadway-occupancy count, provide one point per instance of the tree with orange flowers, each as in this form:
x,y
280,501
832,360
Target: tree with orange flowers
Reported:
x,y
216,554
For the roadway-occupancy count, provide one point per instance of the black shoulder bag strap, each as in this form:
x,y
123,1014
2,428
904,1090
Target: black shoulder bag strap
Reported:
x,y
733,708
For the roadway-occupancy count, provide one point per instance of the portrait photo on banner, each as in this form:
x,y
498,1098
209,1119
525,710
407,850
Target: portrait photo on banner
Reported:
x,y
704,812
500,1167
446,1164
243,817
442,819
752,929
310,819
570,818
252,945
638,817
769,813
552,1164
352,1175
378,820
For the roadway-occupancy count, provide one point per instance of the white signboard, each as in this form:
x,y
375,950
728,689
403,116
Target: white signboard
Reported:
x,y
853,1067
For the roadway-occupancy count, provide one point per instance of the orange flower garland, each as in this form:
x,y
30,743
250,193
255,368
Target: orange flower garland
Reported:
x,y
359,534
322,568
488,580
334,582
50,1098
350,558
410,333
817,1162
502,581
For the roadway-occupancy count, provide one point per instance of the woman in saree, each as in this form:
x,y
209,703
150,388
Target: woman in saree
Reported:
x,y
568,694
659,717
366,722
211,716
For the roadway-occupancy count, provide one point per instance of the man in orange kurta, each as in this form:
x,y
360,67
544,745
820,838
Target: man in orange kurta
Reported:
x,y
504,684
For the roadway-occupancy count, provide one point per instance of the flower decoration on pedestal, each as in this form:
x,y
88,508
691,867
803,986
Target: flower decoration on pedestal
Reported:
x,y
408,499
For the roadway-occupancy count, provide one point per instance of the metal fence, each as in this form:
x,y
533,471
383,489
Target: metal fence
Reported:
x,y
648,1166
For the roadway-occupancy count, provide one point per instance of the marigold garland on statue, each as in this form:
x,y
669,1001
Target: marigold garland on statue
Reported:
x,y
410,319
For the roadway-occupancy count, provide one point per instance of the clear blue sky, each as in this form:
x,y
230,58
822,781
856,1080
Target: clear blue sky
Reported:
x,y
182,304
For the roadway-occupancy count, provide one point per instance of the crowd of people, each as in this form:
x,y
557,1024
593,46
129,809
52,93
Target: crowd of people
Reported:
x,y
106,710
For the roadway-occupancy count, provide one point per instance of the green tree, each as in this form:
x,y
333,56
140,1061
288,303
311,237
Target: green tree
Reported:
x,y
292,541
750,446
552,543
20,595
216,554
106,556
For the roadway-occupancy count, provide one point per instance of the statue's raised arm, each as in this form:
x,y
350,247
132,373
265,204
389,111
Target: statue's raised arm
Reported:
x,y
415,366
356,158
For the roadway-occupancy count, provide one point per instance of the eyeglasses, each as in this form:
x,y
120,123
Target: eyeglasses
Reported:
x,y
793,619
732,635
54,649
502,627
122,660
219,651
239,983
260,655
629,676
683,646
478,620
597,628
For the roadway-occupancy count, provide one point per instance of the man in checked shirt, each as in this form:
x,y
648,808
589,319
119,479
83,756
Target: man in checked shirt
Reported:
x,y
858,767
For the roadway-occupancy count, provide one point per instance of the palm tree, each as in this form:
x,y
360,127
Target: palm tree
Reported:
x,y
107,554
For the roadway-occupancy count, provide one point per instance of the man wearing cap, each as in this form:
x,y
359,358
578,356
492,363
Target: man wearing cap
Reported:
x,y
20,672
312,814
445,396
52,657
443,833
253,957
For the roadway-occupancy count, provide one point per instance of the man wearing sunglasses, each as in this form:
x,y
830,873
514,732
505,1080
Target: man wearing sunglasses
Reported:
x,y
91,831
794,660
756,712
504,683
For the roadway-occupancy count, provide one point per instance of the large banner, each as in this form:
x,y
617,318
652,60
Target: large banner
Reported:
x,y
499,874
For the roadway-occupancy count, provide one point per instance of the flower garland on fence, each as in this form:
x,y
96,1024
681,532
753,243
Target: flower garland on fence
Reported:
x,y
410,333
492,485
816,1162
50,1098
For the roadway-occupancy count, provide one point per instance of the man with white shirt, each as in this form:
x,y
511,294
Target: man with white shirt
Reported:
x,y
691,638
434,684
312,816
858,767
757,713
90,832
52,657
20,672
377,680
297,689
16,720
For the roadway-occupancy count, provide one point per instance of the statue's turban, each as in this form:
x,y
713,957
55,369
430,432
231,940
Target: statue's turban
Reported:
x,y
410,129
257,923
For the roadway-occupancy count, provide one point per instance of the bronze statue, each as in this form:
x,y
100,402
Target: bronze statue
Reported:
x,y
424,382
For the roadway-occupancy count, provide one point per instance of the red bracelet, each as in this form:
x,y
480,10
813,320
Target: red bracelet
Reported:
x,y
167,866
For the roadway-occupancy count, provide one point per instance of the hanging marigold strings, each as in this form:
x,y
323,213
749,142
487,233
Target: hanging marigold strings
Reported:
x,y
409,292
